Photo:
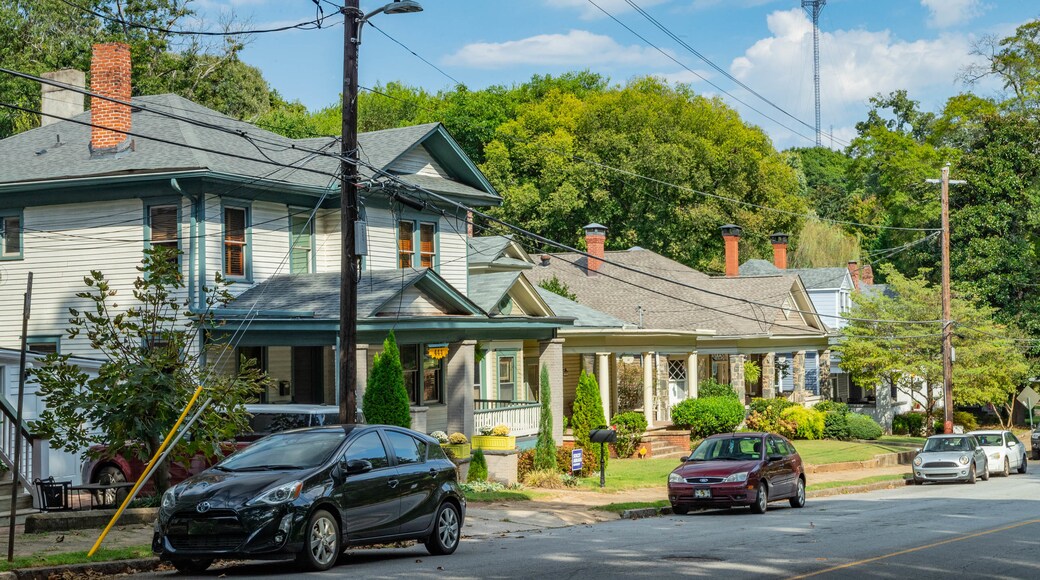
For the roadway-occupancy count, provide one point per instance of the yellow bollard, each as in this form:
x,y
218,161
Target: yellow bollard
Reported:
x,y
140,480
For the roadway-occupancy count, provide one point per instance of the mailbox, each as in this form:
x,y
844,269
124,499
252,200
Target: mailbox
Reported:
x,y
603,436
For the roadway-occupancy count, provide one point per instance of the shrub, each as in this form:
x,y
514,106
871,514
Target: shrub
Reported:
x,y
752,372
457,439
758,421
547,478
908,424
386,400
589,461
771,407
704,417
836,425
711,388
545,448
588,414
500,430
630,428
962,418
863,427
831,407
440,436
524,463
809,423
478,469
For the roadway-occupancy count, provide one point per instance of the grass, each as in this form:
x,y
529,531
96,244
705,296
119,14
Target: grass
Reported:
x,y
902,440
507,495
631,505
864,481
633,474
103,555
825,451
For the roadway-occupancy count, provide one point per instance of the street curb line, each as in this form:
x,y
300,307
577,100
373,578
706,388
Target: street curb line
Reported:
x,y
77,570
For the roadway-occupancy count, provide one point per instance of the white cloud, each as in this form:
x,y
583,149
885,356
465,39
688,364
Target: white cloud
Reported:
x,y
590,12
947,13
577,48
685,76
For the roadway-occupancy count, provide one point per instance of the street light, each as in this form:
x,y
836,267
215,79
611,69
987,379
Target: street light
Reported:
x,y
354,20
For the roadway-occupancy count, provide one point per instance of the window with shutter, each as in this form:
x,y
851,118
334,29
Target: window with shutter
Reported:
x,y
10,236
235,241
162,227
427,245
405,244
302,229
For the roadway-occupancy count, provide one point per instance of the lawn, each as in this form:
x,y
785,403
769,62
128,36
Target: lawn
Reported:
x,y
103,555
504,495
631,505
864,481
829,451
902,440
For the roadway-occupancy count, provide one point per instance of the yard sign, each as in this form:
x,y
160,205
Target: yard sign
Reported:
x,y
575,460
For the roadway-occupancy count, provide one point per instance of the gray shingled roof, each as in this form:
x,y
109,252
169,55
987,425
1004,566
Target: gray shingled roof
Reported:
x,y
486,249
36,156
319,292
492,288
583,315
812,278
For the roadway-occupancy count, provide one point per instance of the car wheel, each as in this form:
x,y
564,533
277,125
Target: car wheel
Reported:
x,y
680,510
971,474
985,472
107,475
321,542
1022,468
798,500
762,501
447,529
1007,468
1036,454
191,566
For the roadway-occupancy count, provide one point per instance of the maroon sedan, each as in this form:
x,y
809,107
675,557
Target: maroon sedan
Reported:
x,y
734,469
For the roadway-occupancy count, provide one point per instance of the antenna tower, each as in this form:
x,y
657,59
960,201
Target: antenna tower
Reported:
x,y
813,8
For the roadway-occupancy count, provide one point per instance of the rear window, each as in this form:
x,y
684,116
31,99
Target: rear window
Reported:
x,y
264,423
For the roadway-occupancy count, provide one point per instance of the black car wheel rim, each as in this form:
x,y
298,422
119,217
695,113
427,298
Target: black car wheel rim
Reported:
x,y
448,528
323,541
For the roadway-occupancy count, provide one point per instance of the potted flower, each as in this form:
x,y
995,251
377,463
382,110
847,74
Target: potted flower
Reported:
x,y
458,444
496,437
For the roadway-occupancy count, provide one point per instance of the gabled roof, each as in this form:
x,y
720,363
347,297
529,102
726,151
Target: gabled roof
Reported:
x,y
497,253
813,278
493,287
60,151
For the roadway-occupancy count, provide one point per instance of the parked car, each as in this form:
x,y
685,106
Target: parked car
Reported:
x,y
738,469
264,419
951,458
308,493
1004,450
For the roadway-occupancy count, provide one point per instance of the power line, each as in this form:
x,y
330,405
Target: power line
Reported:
x,y
416,55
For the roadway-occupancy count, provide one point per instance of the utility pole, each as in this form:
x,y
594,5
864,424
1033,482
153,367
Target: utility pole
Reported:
x,y
348,213
814,7
947,323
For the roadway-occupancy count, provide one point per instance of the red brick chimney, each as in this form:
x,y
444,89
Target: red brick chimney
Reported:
x,y
779,250
731,235
854,270
595,239
110,76
866,275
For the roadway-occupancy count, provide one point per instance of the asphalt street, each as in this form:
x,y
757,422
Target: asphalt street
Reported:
x,y
987,530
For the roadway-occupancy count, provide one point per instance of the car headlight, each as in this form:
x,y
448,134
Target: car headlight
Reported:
x,y
964,459
918,461
736,477
169,498
675,478
278,495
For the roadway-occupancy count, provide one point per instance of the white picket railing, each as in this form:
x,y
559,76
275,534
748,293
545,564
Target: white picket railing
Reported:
x,y
521,419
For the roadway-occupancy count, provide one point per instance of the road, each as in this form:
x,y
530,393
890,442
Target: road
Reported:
x,y
987,530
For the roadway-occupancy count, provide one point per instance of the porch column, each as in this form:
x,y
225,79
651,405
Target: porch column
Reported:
x,y
736,375
550,356
458,386
362,372
798,370
825,375
769,375
603,378
691,375
661,395
648,387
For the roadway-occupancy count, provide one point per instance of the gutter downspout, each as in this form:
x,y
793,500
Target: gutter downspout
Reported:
x,y
196,254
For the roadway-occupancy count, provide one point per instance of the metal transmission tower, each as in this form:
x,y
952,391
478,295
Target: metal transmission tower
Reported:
x,y
814,7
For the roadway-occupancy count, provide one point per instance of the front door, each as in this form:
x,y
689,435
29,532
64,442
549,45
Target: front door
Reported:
x,y
308,372
677,391
369,502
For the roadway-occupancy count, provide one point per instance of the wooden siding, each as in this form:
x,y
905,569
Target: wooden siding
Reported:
x,y
326,240
412,303
418,161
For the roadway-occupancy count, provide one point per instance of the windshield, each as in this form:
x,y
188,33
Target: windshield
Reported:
x,y
940,444
729,448
286,451
994,440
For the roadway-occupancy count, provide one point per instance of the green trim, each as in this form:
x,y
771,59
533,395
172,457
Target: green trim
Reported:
x,y
54,339
20,214
483,377
508,352
175,201
447,152
312,250
417,219
247,252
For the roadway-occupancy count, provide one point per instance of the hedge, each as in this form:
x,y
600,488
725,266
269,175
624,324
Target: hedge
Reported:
x,y
809,423
863,427
708,416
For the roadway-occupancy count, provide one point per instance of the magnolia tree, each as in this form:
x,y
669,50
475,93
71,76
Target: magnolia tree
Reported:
x,y
152,368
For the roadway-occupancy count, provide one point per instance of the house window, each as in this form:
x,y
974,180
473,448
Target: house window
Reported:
x,y
507,377
302,239
44,344
423,380
10,236
405,244
3,378
163,227
427,245
235,258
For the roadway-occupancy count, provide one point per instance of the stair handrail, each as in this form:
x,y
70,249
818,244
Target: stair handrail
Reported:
x,y
25,475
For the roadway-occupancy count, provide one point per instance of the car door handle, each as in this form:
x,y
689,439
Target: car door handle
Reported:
x,y
393,483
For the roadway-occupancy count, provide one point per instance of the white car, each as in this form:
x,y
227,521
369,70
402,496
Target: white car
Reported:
x,y
1004,450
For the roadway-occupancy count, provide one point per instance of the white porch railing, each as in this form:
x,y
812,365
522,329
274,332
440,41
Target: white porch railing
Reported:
x,y
30,447
522,419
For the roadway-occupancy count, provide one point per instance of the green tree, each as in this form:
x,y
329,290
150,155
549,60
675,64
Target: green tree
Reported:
x,y
556,286
386,400
822,245
152,366
826,181
478,467
588,414
545,449
1015,60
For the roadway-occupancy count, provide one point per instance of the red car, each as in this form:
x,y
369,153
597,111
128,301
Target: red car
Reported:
x,y
738,469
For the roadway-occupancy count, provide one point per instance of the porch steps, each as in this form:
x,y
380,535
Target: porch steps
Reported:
x,y
24,501
666,450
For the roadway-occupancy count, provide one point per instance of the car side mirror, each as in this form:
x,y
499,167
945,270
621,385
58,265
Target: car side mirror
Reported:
x,y
356,466
775,457
684,459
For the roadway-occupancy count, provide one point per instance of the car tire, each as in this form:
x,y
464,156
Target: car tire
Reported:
x,y
447,530
321,542
1036,455
191,566
985,472
1023,468
1007,468
971,475
798,501
761,500
680,510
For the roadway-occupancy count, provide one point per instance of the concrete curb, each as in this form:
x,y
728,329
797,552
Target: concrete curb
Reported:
x,y
640,513
85,520
81,570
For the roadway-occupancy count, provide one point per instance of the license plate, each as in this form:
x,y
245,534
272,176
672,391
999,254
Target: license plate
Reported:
x,y
701,493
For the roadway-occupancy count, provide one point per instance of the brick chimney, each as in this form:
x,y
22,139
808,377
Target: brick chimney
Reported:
x,y
57,103
779,250
854,270
595,239
731,235
110,76
866,275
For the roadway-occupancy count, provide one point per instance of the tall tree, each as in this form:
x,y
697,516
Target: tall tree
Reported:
x,y
545,449
386,399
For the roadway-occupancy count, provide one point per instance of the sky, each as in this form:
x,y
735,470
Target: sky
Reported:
x,y
866,47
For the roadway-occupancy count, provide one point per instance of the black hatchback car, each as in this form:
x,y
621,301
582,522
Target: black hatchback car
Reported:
x,y
309,493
